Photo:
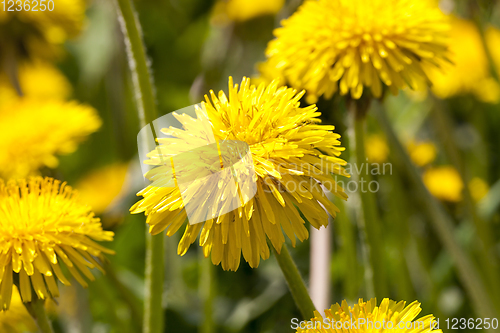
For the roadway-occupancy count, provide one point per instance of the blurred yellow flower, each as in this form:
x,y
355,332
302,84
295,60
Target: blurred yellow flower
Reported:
x,y
376,148
244,10
38,33
492,37
470,71
33,132
39,80
99,188
16,319
291,154
478,188
42,225
343,45
444,183
422,153
368,317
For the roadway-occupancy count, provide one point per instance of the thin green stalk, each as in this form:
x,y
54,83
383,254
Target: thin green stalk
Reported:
x,y
138,63
36,309
153,307
295,282
443,225
146,107
368,218
207,294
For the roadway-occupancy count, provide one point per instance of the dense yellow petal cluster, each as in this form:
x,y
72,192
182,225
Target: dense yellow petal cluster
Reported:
x,y
470,71
368,317
37,32
16,319
42,226
343,45
291,155
444,183
244,10
33,132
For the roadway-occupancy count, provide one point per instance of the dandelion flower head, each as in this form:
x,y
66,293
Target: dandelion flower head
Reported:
x,y
292,155
43,227
470,71
41,80
39,30
343,45
444,182
368,317
33,132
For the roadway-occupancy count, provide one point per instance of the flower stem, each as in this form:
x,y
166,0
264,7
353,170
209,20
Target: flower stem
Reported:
x,y
295,282
36,308
368,219
442,223
138,64
153,307
207,294
146,107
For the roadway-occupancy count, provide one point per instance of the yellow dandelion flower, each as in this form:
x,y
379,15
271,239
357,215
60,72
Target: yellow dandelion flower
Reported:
x,y
343,45
42,225
368,317
470,72
291,155
101,187
422,153
38,80
444,183
243,10
376,148
39,32
478,188
16,319
33,132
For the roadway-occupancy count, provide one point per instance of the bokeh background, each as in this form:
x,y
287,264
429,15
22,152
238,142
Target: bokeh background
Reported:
x,y
451,133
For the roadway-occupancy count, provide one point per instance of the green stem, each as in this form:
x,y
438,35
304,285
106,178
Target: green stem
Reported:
x,y
146,107
295,282
442,223
368,217
36,308
207,293
153,307
137,59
